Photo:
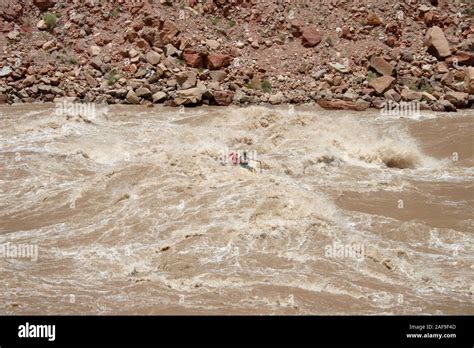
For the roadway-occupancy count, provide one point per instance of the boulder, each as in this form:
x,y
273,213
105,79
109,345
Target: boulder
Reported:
x,y
223,98
143,92
458,99
41,25
338,104
381,84
380,65
373,20
3,98
277,98
193,59
186,79
469,80
168,33
444,105
218,75
392,95
310,37
190,96
44,4
132,98
213,44
96,63
171,50
410,95
461,58
153,57
159,97
218,61
6,71
437,43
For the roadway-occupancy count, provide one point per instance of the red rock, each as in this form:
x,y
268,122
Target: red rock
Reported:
x,y
218,61
462,58
3,98
223,98
381,84
142,44
310,37
381,65
373,19
132,68
337,104
193,59
43,4
168,33
458,99
437,43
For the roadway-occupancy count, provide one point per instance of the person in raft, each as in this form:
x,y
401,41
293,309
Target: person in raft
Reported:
x,y
234,157
244,162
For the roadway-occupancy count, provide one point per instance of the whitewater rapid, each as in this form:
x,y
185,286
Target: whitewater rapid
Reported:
x,y
134,211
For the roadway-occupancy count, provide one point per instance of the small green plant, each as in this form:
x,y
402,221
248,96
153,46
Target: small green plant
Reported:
x,y
426,87
371,76
251,85
329,41
266,86
50,19
112,78
469,11
215,20
421,87
116,12
231,23
282,36
67,57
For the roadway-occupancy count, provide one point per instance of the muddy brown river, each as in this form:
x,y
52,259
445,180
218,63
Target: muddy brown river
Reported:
x,y
136,210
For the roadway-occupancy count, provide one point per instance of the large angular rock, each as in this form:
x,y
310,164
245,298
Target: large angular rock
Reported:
x,y
392,95
338,104
190,96
132,98
458,99
96,63
461,58
168,33
6,71
310,37
218,75
43,4
373,19
380,65
193,59
223,98
469,80
153,57
437,43
381,84
410,95
277,98
171,50
218,61
159,97
3,98
186,79
143,92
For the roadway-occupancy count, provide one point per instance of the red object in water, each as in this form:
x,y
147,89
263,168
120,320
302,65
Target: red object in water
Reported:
x,y
234,158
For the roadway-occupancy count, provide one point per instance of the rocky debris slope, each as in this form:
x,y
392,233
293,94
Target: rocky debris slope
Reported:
x,y
341,54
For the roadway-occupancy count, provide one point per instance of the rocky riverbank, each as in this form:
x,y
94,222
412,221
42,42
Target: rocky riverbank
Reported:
x,y
339,54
